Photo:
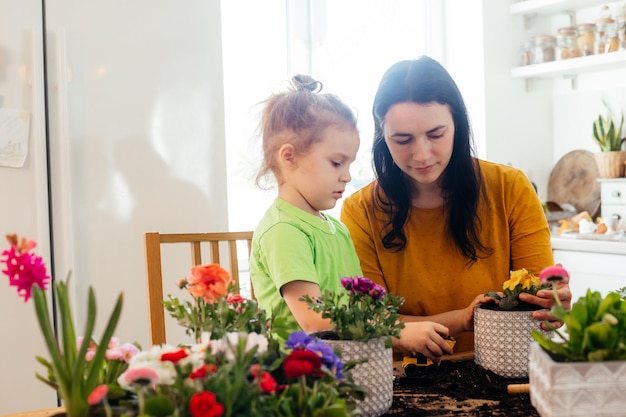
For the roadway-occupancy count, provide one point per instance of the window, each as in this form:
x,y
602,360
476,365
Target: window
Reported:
x,y
346,44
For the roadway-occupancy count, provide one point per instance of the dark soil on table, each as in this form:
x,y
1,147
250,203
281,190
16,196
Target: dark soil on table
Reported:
x,y
458,389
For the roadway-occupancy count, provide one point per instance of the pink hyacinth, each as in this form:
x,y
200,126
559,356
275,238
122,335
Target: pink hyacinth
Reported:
x,y
23,268
554,274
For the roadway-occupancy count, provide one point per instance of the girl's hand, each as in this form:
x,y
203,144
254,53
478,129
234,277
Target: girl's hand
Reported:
x,y
468,312
425,337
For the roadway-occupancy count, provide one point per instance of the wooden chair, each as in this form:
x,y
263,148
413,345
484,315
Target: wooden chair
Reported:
x,y
154,241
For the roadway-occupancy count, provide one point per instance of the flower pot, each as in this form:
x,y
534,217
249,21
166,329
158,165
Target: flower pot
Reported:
x,y
610,164
501,340
375,375
563,389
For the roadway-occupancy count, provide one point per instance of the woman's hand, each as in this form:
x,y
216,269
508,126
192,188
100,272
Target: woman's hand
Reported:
x,y
545,299
425,337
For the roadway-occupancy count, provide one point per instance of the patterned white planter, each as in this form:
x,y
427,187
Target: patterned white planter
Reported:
x,y
375,375
501,340
559,389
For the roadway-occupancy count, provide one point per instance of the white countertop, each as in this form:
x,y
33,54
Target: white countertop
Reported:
x,y
582,244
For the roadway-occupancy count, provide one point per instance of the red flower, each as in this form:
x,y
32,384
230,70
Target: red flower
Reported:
x,y
203,371
266,380
203,404
98,394
23,268
209,282
174,356
301,362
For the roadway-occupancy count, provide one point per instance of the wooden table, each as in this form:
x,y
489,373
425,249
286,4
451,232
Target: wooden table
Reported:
x,y
47,412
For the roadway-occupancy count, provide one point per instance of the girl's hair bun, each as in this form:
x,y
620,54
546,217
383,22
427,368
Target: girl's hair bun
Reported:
x,y
306,83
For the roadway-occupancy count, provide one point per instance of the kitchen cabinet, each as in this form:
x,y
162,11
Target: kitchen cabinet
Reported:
x,y
569,67
596,265
613,198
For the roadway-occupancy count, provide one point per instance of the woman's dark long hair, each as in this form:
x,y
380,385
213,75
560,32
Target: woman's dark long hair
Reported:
x,y
424,80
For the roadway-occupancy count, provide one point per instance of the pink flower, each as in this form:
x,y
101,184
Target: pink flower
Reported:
x,y
554,273
208,281
144,377
98,394
121,353
23,268
235,299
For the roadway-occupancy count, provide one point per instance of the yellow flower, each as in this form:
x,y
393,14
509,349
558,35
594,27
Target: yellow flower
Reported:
x,y
523,278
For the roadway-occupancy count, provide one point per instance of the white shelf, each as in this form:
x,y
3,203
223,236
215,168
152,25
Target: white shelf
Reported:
x,y
547,7
572,66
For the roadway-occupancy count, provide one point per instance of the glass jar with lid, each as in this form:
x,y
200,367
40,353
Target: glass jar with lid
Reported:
x,y
605,40
566,44
525,58
585,39
621,32
542,49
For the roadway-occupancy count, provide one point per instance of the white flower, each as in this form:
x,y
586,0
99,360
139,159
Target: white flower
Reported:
x,y
229,342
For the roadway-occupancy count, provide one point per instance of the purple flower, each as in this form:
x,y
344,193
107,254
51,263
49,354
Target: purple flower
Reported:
x,y
377,293
298,340
363,285
329,359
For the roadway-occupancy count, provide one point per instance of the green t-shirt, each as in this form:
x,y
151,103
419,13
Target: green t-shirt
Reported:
x,y
290,244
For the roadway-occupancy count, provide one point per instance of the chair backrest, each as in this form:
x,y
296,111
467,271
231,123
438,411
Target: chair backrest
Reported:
x,y
154,241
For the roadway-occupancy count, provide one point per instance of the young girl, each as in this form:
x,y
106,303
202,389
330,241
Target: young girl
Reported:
x,y
309,142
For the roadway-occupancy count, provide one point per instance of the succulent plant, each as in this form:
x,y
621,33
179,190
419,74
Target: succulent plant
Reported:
x,y
605,132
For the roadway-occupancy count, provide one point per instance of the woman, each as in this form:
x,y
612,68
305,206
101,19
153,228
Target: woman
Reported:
x,y
438,226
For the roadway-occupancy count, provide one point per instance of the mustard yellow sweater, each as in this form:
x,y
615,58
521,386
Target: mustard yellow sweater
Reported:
x,y
430,273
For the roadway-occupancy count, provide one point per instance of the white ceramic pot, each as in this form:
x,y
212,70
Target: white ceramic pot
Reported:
x,y
375,375
568,389
501,340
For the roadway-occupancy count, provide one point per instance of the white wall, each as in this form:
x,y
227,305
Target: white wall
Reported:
x,y
511,120
136,123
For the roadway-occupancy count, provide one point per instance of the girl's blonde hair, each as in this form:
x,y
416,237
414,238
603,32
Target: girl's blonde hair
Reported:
x,y
298,116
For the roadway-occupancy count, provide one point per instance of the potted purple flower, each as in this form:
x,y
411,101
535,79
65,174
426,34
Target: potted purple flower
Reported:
x,y
364,318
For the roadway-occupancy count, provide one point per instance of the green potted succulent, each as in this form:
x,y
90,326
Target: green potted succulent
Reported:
x,y
588,356
607,134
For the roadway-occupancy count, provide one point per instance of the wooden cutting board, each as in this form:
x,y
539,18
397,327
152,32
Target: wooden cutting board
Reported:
x,y
574,180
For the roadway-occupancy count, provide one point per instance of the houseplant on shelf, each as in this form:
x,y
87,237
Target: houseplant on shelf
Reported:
x,y
502,330
583,371
79,372
608,136
364,319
